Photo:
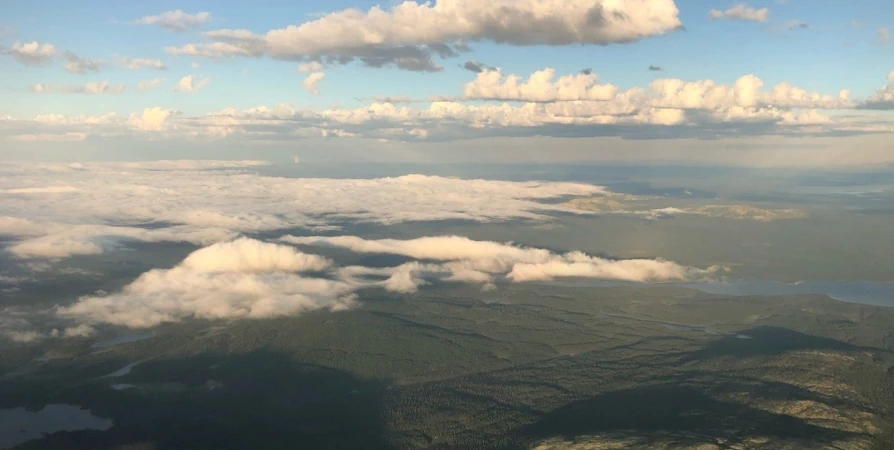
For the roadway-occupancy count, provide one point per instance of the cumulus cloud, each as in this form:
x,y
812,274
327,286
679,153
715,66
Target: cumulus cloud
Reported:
x,y
241,279
539,87
882,36
478,261
312,81
92,88
142,63
740,12
176,20
189,83
79,65
883,99
252,256
410,35
31,53
148,85
543,104
152,119
247,278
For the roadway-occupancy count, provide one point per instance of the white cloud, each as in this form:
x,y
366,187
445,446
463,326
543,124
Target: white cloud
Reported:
x,y
740,12
882,36
542,105
62,210
82,330
31,53
79,65
478,261
247,278
313,66
882,99
409,34
142,63
93,88
252,256
190,84
48,240
312,81
148,85
539,87
152,119
241,279
176,20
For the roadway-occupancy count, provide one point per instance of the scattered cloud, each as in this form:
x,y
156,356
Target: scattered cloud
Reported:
x,y
93,88
142,63
883,99
152,119
655,68
247,278
148,85
31,53
7,31
312,81
575,105
882,36
176,20
478,67
796,25
189,83
313,66
79,65
410,35
741,12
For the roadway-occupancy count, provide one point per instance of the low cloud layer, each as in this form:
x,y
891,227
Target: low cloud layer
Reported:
x,y
247,278
478,261
86,209
241,279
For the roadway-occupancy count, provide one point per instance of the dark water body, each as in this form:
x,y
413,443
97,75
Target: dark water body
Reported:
x,y
18,425
863,292
122,339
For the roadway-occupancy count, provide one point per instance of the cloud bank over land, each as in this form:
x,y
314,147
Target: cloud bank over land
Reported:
x,y
471,260
247,278
54,211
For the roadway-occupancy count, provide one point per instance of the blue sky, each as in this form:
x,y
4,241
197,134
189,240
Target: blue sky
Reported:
x,y
841,48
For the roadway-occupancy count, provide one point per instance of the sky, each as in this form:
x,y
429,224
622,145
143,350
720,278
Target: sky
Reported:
x,y
767,82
